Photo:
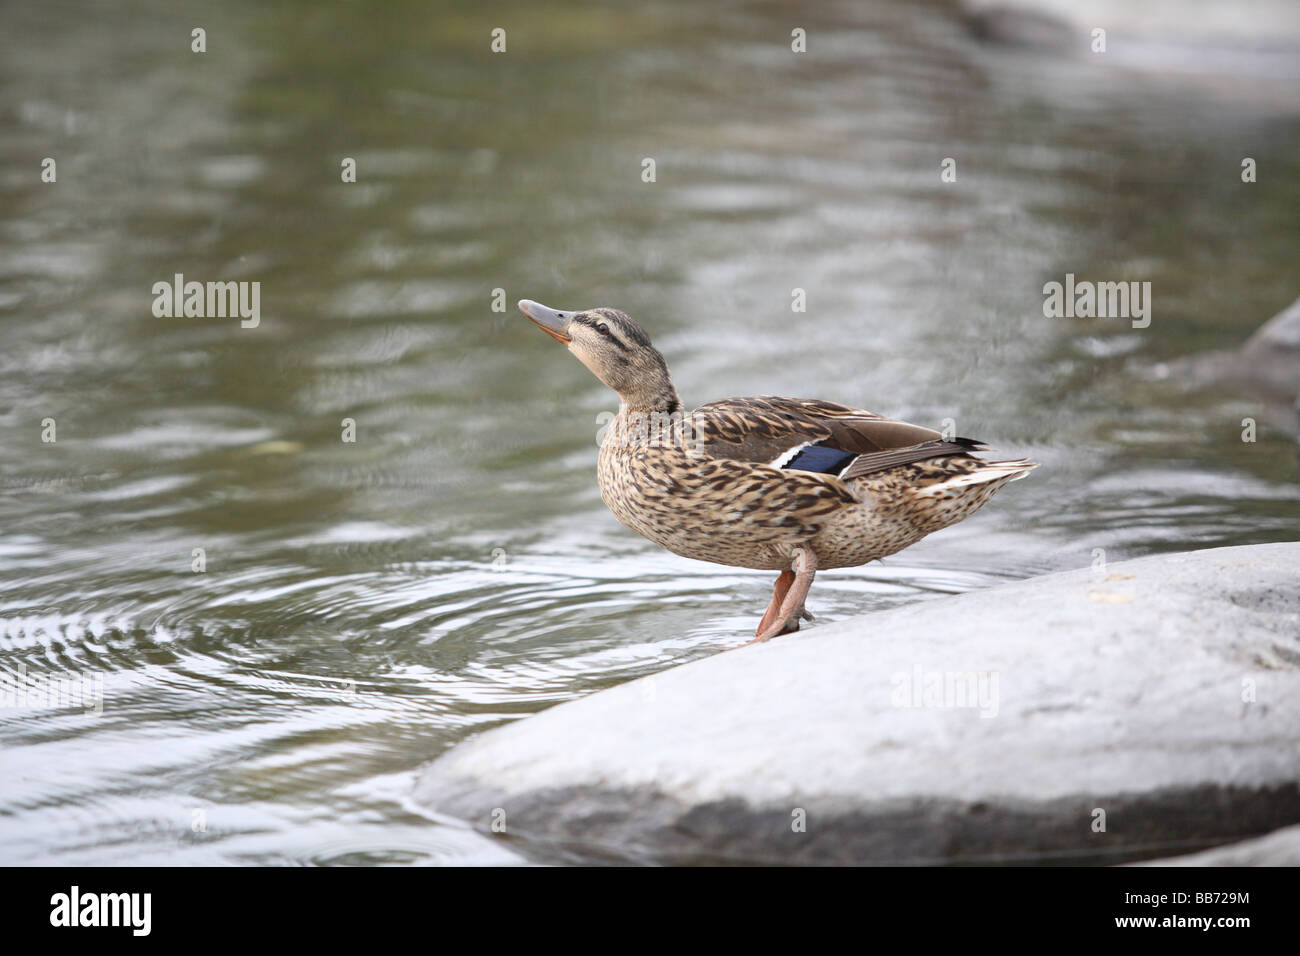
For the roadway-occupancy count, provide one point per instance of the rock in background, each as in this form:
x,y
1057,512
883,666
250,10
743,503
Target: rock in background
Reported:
x,y
1267,366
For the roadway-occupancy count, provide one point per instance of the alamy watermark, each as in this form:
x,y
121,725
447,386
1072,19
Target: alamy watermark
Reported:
x,y
208,300
648,430
52,691
1099,300
920,688
75,908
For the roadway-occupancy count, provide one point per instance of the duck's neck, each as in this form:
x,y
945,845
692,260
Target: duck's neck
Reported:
x,y
655,396
646,418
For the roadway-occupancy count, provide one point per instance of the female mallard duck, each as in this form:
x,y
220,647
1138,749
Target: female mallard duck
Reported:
x,y
784,484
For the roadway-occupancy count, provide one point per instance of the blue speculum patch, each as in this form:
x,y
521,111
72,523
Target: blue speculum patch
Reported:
x,y
828,461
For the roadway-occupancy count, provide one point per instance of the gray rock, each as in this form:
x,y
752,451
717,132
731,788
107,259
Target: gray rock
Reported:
x,y
1272,354
1279,848
1018,26
1267,366
1270,30
988,726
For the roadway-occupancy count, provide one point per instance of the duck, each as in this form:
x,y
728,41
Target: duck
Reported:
x,y
770,483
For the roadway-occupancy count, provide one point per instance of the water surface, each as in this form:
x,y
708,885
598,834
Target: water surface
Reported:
x,y
366,605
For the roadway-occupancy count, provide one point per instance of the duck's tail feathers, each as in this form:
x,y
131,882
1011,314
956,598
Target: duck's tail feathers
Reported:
x,y
988,471
869,463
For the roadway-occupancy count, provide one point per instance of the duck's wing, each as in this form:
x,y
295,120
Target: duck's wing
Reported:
x,y
810,435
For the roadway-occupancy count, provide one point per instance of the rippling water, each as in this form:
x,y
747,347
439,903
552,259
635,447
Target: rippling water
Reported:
x,y
364,606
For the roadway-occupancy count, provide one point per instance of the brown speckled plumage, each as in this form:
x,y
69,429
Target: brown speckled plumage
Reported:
x,y
717,499
727,482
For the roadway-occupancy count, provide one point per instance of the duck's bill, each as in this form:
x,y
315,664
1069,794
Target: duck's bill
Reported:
x,y
549,321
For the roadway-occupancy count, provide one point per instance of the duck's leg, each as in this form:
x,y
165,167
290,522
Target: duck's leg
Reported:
x,y
782,585
787,616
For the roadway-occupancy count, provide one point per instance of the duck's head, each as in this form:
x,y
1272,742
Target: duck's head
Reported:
x,y
615,348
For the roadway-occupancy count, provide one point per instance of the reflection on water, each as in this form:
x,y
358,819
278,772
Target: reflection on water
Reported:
x,y
362,606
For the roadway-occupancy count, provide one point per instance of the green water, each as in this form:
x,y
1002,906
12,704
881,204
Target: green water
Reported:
x,y
366,605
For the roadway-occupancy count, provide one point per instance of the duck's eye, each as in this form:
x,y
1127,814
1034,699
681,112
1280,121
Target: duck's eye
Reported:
x,y
603,329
